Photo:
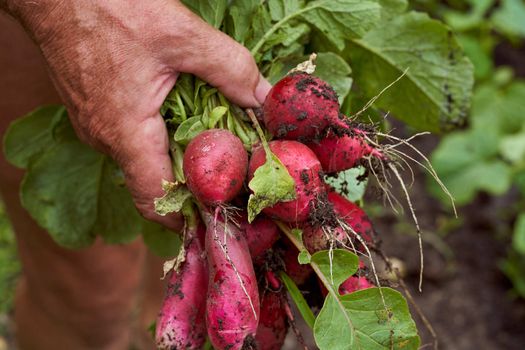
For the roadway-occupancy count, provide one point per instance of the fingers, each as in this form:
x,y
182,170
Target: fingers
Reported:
x,y
142,152
217,59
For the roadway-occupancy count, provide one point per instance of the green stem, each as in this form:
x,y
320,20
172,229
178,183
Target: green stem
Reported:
x,y
181,106
177,154
277,25
300,246
259,130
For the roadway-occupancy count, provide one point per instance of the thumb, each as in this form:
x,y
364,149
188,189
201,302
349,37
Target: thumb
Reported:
x,y
219,60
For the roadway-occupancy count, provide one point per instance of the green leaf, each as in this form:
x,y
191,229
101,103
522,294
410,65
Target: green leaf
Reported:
x,y
238,23
462,21
518,239
499,109
161,241
479,56
467,163
271,183
117,221
212,11
435,93
337,265
342,19
304,257
512,148
333,69
71,190
215,115
190,128
31,135
298,299
509,18
349,183
173,199
514,267
360,321
392,8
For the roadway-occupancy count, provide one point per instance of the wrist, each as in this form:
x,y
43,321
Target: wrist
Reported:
x,y
31,14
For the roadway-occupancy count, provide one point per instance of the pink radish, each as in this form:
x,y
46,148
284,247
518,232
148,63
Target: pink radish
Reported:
x,y
305,169
181,323
354,216
272,325
233,299
215,164
338,153
260,235
300,107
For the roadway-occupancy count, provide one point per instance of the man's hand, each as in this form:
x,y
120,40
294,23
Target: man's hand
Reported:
x,y
114,62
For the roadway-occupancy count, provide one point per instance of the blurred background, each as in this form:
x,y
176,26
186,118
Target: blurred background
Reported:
x,y
474,283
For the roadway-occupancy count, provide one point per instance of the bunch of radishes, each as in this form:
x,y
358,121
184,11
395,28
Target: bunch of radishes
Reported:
x,y
227,288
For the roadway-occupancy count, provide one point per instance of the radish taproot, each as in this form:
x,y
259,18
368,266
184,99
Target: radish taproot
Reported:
x,y
299,273
273,326
353,284
260,235
232,306
181,323
354,217
304,168
300,107
341,152
215,165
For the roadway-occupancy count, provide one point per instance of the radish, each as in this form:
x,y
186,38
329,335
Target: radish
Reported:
x,y
319,238
181,323
350,285
215,164
260,235
305,169
298,273
338,153
353,284
353,216
300,107
233,298
273,327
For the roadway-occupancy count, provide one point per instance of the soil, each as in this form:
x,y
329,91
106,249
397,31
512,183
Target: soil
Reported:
x,y
465,295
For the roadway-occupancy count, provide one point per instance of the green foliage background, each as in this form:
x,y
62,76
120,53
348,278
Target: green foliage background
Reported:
x,y
489,154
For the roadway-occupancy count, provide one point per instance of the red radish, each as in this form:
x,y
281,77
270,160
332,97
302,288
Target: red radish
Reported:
x,y
298,273
338,153
272,325
354,216
305,169
260,235
215,164
353,284
318,238
181,323
273,282
300,107
233,298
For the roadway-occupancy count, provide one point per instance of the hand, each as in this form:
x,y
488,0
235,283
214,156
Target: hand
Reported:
x,y
114,62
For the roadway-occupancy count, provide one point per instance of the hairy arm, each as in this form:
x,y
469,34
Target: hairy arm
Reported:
x,y
114,62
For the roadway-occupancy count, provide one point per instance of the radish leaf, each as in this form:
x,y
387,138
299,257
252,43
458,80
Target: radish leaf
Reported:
x,y
360,321
271,183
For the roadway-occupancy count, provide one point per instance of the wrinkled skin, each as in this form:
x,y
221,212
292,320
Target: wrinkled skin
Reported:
x,y
112,63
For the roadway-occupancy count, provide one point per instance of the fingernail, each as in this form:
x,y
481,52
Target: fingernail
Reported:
x,y
262,89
